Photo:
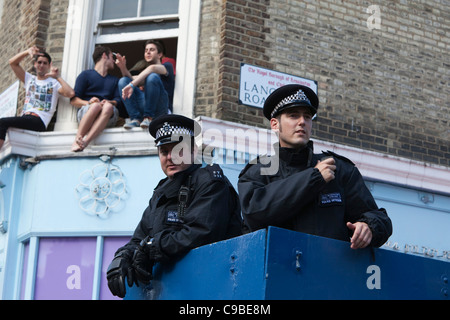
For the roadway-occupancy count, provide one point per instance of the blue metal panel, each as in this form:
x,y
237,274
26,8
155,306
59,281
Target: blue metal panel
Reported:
x,y
301,266
229,270
293,265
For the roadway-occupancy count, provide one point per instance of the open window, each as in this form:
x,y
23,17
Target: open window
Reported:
x,y
125,26
134,51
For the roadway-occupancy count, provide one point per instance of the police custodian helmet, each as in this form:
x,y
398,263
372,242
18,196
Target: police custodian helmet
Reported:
x,y
173,128
289,96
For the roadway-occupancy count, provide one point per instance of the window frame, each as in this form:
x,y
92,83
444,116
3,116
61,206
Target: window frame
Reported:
x,y
138,14
30,263
133,36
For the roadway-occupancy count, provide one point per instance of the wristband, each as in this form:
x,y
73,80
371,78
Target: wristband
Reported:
x,y
132,85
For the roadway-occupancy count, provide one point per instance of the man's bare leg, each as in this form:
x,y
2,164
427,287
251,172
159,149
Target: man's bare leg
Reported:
x,y
99,124
85,124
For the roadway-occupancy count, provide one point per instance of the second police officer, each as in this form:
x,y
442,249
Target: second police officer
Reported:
x,y
320,194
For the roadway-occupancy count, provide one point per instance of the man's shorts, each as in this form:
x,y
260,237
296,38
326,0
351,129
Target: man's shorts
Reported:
x,y
111,123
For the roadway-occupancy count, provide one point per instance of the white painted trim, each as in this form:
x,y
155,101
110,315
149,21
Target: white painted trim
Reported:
x,y
33,253
145,19
137,36
187,53
98,268
78,47
58,144
18,277
1,11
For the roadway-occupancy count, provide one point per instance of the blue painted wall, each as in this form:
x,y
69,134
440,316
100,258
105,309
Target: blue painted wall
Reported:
x,y
416,223
12,178
51,204
41,201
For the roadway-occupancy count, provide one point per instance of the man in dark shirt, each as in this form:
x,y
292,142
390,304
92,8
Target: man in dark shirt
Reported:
x,y
321,194
158,83
97,97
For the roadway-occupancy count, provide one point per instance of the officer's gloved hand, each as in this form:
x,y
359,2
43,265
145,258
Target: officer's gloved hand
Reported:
x,y
142,265
119,269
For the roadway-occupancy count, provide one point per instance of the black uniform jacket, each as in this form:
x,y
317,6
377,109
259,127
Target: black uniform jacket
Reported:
x,y
212,213
298,198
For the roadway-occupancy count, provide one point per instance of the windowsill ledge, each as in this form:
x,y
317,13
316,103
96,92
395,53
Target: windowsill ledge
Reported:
x,y
57,144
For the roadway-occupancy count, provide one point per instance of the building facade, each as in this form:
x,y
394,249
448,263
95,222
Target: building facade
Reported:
x,y
381,72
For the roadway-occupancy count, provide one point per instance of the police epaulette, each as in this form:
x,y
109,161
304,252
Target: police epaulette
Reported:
x,y
331,153
243,171
215,171
254,161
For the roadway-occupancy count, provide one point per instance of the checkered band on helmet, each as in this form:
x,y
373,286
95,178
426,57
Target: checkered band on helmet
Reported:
x,y
299,96
168,130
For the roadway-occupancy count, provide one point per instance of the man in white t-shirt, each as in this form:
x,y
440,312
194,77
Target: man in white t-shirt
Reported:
x,y
42,93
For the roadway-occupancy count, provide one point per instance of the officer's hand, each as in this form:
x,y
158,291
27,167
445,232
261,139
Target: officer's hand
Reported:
x,y
362,235
327,168
142,266
118,270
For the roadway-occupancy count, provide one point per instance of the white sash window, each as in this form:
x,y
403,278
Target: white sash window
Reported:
x,y
123,21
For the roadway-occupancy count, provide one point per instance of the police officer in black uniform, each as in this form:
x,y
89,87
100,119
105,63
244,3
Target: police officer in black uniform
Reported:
x,y
193,206
320,194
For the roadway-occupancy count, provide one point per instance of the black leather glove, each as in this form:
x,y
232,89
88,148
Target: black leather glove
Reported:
x,y
119,269
143,260
142,265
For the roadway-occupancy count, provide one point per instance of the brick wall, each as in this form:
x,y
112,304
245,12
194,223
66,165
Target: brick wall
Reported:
x,y
231,32
385,89
27,23
57,30
208,59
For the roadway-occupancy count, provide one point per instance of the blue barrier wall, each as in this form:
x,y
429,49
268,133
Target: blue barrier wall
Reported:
x,y
282,264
